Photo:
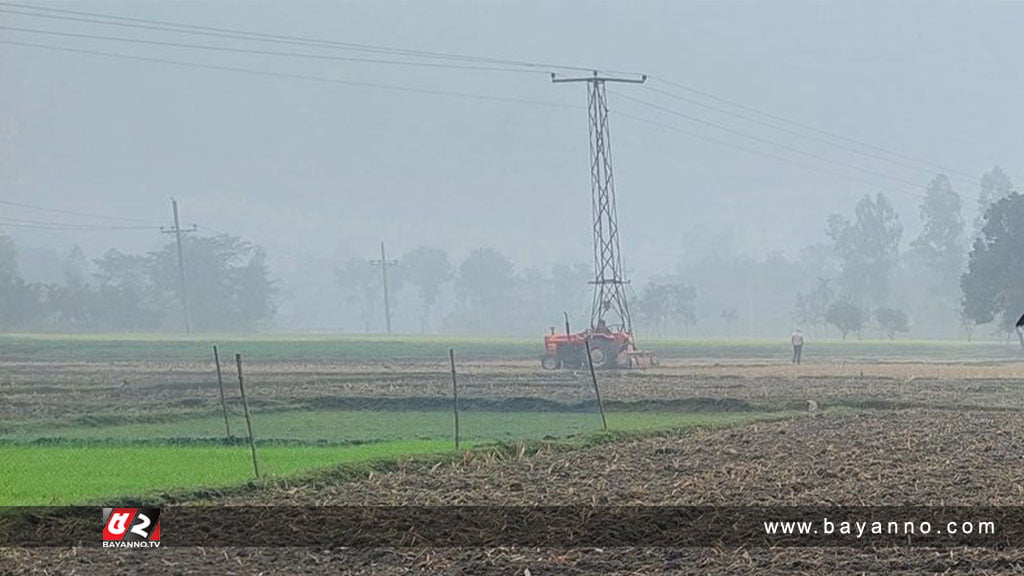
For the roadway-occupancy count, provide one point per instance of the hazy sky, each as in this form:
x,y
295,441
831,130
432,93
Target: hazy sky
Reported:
x,y
329,170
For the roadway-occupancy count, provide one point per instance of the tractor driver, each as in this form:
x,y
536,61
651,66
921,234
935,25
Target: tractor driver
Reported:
x,y
601,327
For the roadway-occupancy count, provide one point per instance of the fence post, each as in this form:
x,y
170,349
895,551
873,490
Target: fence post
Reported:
x,y
248,422
593,376
220,382
455,396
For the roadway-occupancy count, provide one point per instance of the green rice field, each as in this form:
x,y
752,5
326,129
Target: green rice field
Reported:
x,y
89,463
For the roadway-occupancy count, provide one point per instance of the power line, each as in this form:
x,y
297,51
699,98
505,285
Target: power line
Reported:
x,y
691,118
755,151
811,128
4,224
42,222
152,24
792,149
324,79
71,212
141,23
285,254
178,27
445,93
771,142
263,52
41,225
797,133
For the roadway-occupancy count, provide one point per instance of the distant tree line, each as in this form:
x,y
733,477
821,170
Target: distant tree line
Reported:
x,y
229,289
941,284
487,294
936,281
945,282
484,293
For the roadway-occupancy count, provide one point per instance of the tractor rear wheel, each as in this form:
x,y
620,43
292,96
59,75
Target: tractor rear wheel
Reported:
x,y
602,356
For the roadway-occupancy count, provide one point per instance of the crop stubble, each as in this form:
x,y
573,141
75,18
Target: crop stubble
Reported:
x,y
70,392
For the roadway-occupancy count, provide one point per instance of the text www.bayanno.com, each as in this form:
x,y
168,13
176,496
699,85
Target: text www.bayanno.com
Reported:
x,y
862,529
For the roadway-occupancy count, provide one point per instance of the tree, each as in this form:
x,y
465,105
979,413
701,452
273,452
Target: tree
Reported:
x,y
819,261
867,248
19,301
428,269
966,324
845,316
730,315
812,306
993,286
8,259
666,304
995,185
932,267
126,297
252,295
892,321
228,280
486,293
571,291
229,286
941,241
69,305
544,295
760,288
361,284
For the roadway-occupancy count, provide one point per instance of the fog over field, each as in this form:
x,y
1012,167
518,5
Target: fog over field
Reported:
x,y
757,125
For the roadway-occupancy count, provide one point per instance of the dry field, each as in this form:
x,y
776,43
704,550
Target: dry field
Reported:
x,y
69,392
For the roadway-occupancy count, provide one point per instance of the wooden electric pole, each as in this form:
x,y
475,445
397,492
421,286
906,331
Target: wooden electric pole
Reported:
x,y
384,264
183,283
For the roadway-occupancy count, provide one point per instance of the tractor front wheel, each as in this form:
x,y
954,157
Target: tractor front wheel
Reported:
x,y
549,362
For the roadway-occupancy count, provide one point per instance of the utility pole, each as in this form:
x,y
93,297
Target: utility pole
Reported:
x,y
177,231
384,264
609,283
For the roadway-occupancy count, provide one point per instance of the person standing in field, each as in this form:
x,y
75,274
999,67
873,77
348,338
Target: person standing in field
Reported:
x,y
797,339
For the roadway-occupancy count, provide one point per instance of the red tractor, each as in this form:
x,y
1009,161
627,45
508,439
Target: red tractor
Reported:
x,y
608,349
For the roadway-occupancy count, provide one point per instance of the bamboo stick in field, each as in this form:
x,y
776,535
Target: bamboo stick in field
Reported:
x,y
597,391
223,404
248,421
455,396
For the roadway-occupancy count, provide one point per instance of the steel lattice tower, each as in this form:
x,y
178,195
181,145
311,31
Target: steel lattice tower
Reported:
x,y
610,302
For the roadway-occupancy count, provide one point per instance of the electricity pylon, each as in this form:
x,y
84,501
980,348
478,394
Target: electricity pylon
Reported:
x,y
609,282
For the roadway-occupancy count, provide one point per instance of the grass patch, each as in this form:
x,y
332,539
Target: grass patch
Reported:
x,y
74,472
298,348
70,474
380,426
